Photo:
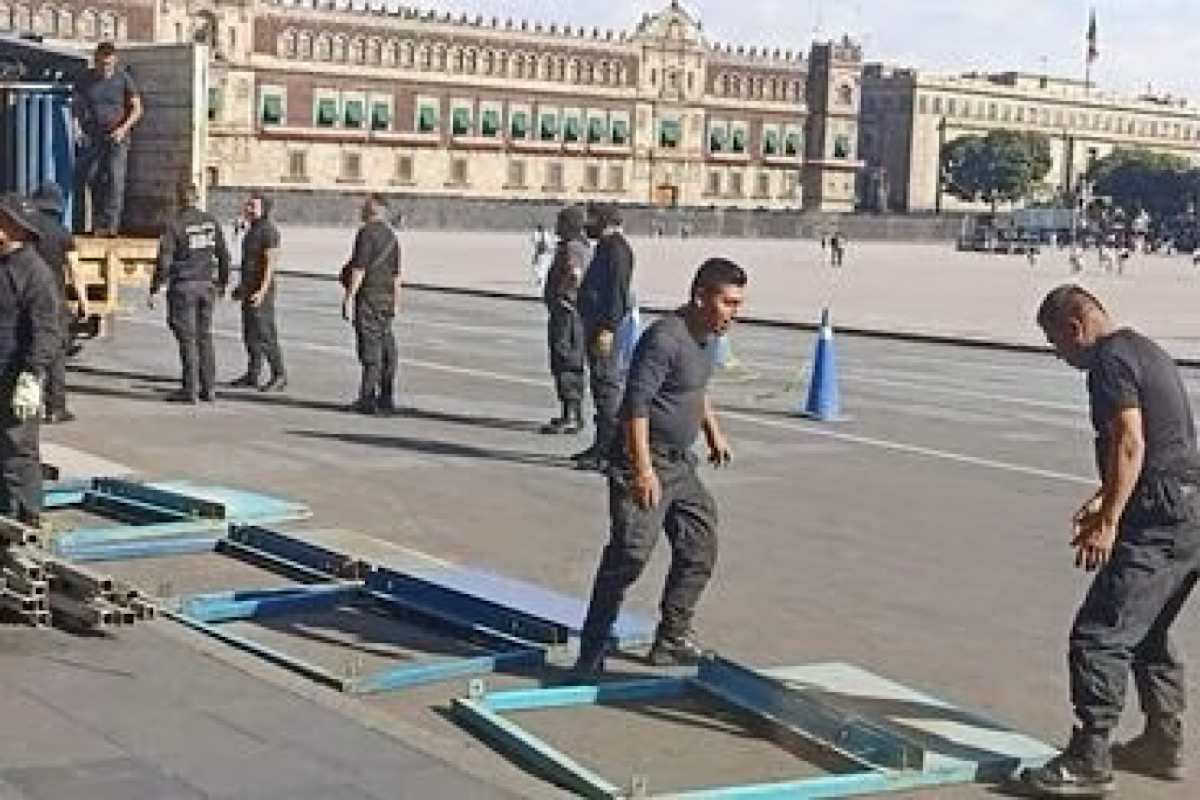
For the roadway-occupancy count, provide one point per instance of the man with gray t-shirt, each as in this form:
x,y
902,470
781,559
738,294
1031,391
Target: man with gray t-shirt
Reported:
x,y
653,484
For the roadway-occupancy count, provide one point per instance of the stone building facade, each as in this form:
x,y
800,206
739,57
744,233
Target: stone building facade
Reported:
x,y
312,96
908,116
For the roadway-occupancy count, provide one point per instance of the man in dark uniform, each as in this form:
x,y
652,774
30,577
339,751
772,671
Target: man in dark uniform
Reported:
x,y
193,262
371,302
1141,532
565,329
55,245
260,253
106,105
653,484
604,300
29,337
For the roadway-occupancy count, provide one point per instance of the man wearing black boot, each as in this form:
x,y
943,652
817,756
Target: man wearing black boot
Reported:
x,y
260,253
653,484
1141,531
193,263
565,329
604,300
371,303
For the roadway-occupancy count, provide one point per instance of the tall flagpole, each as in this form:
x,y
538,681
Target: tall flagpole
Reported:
x,y
1092,52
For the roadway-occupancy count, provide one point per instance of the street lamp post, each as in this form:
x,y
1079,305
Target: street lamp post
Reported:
x,y
937,198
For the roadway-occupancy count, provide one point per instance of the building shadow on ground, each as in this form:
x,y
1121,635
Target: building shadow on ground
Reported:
x,y
434,447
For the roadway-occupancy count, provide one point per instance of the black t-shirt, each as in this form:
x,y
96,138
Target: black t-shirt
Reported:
x,y
192,250
262,236
103,101
53,244
1131,371
668,378
29,317
377,252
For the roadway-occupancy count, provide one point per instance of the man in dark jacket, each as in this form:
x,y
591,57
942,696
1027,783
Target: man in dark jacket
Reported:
x,y
29,338
604,299
260,254
55,245
565,329
193,262
371,303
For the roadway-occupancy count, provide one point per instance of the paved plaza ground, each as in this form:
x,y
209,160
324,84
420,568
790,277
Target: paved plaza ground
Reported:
x,y
924,539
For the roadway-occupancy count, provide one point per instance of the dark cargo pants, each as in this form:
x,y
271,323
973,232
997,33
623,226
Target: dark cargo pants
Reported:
x,y
56,373
20,468
568,352
607,388
376,341
1125,620
688,515
261,337
189,315
101,168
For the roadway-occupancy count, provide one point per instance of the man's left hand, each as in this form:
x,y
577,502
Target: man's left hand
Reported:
x,y
118,134
719,452
27,396
256,299
1094,540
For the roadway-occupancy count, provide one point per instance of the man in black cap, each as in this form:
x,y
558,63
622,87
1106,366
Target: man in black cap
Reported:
x,y
55,245
568,355
605,297
107,104
260,253
194,264
29,337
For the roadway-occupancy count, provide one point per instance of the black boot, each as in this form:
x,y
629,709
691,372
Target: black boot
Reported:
x,y
670,650
247,381
277,383
1156,753
589,666
573,411
1083,769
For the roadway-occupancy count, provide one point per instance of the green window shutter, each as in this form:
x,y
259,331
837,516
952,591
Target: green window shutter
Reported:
x,y
771,143
353,114
548,128
717,138
327,112
739,141
791,146
571,130
461,124
620,131
841,146
595,130
520,124
668,133
489,125
426,119
272,109
381,117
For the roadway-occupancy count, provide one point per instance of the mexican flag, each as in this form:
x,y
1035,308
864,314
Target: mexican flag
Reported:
x,y
1092,51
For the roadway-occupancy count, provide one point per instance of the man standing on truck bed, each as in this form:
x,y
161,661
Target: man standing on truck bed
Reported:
x,y
106,106
28,339
194,263
260,252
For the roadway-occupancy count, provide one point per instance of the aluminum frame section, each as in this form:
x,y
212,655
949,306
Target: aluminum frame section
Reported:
x,y
207,612
827,717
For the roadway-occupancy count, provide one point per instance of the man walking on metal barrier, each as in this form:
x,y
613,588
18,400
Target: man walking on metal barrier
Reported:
x,y
605,297
107,105
193,263
568,355
256,290
371,302
1140,533
56,245
653,484
29,338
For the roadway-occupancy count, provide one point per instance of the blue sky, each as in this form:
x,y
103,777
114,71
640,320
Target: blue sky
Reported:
x,y
1142,42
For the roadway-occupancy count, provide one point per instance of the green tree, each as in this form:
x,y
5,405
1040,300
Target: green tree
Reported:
x,y
1003,166
1138,180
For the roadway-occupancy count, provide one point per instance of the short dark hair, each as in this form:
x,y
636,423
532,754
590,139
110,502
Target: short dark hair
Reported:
x,y
105,49
715,273
607,214
1066,302
189,194
265,200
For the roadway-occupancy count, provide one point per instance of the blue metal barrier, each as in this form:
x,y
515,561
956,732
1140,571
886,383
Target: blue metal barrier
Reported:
x,y
36,139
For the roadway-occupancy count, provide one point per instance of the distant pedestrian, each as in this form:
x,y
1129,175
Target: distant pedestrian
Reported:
x,y
568,351
1140,533
1031,254
837,249
29,340
543,252
256,291
56,246
1104,256
1075,258
371,302
605,298
653,485
193,263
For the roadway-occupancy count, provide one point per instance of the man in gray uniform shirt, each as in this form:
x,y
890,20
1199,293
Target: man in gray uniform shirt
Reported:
x,y
653,484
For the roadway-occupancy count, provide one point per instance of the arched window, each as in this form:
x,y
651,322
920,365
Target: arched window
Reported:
x,y
324,49
573,71
358,50
605,73
456,59
735,86
5,15
531,67
89,26
339,48
374,52
391,53
20,18
471,62
64,25
304,45
845,94
560,69
622,75
518,65
43,21
407,54
441,57
547,68
489,62
286,46
425,57
589,72
502,63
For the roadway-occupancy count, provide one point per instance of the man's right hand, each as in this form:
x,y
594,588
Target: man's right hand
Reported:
x,y
645,488
602,344
150,301
348,310
236,294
